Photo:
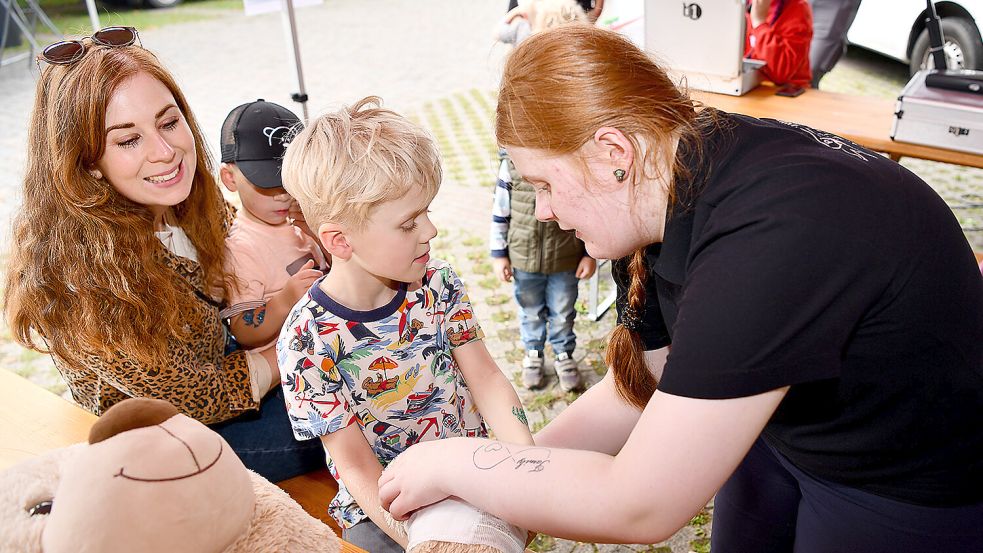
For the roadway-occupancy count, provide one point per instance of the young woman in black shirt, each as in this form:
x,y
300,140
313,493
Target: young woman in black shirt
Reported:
x,y
801,329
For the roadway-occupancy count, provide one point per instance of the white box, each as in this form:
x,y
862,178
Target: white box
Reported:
x,y
701,45
939,118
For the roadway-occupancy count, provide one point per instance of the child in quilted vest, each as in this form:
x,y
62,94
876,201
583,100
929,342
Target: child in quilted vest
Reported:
x,y
545,261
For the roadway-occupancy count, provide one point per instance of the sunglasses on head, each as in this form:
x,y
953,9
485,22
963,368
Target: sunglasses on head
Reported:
x,y
68,52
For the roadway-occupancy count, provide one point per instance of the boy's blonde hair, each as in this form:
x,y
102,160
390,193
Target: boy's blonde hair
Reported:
x,y
346,162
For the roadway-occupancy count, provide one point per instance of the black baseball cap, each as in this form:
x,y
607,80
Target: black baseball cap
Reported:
x,y
255,137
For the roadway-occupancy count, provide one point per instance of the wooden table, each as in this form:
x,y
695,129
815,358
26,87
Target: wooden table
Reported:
x,y
34,421
863,119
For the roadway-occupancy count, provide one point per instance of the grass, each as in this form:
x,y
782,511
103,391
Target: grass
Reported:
x,y
489,282
498,299
701,519
597,365
482,268
508,334
502,316
472,241
542,542
700,545
72,19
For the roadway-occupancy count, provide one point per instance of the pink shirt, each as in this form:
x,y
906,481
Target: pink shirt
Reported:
x,y
263,257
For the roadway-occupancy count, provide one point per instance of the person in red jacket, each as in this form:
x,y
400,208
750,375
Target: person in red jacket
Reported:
x,y
779,32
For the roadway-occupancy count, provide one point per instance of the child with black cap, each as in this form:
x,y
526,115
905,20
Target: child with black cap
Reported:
x,y
273,259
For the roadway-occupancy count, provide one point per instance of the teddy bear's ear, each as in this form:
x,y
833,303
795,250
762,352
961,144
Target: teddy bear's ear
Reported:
x,y
129,414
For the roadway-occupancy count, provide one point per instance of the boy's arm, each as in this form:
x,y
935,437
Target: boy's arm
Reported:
x,y
360,470
501,217
258,326
493,395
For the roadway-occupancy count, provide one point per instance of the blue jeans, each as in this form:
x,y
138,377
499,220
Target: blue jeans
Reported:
x,y
771,506
265,442
546,299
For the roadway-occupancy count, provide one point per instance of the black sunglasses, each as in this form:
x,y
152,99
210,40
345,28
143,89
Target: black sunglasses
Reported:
x,y
68,52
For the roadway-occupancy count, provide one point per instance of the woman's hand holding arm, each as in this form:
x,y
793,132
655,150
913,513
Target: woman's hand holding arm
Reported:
x,y
679,454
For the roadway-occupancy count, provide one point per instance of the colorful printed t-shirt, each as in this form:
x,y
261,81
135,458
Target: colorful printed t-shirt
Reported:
x,y
388,370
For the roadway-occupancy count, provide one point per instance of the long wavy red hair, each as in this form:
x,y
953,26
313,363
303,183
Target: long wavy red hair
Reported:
x,y
558,88
86,271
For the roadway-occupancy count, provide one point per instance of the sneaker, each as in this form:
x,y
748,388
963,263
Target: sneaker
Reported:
x,y
532,370
566,371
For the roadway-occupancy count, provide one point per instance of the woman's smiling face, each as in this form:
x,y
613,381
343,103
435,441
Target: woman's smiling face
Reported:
x,y
150,154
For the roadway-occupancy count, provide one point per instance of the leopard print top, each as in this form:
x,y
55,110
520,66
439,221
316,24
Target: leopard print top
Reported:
x,y
198,378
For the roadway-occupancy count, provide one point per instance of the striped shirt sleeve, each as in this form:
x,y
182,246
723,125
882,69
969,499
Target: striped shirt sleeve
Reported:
x,y
501,211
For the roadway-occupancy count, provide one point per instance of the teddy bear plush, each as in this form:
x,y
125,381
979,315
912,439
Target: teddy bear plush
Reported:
x,y
150,480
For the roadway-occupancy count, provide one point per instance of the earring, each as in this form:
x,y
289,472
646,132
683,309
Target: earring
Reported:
x,y
619,174
95,174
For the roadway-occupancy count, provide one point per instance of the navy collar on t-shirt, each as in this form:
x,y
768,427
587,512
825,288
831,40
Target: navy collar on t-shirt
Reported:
x,y
353,315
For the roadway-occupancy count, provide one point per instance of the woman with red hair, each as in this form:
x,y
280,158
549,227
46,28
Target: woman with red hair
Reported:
x,y
801,329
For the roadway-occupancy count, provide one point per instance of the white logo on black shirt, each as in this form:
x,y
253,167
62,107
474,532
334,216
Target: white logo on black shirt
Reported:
x,y
831,141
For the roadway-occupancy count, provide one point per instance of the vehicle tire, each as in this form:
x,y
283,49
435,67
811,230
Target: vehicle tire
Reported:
x,y
963,47
161,3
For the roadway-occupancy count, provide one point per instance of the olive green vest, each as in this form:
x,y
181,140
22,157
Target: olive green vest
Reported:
x,y
535,246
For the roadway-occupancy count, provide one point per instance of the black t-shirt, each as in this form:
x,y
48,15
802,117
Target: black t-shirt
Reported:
x,y
798,258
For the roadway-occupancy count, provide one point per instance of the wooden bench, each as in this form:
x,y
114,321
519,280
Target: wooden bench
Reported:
x,y
313,491
34,421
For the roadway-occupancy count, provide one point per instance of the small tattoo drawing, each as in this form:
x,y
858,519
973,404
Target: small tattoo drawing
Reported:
x,y
534,459
520,414
254,317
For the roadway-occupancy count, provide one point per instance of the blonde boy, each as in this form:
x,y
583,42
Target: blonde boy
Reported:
x,y
384,351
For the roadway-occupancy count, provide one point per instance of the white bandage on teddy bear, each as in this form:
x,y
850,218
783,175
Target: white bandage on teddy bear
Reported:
x,y
456,522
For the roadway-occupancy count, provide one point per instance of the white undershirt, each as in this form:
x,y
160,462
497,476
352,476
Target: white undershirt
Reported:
x,y
177,242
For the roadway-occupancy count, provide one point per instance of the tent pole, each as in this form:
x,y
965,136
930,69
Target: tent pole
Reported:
x,y
290,26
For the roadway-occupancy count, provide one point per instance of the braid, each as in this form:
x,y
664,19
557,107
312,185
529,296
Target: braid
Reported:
x,y
625,354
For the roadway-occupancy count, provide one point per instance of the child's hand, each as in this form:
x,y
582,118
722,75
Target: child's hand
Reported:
x,y
297,217
301,281
586,267
413,479
503,268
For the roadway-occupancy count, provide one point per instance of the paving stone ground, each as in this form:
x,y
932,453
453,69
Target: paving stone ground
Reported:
x,y
434,61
